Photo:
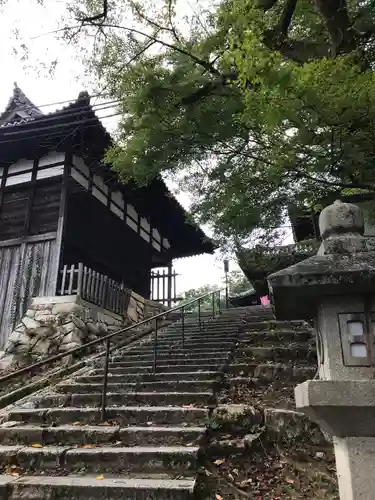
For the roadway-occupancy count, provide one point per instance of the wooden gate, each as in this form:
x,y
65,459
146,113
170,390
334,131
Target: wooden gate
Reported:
x,y
26,270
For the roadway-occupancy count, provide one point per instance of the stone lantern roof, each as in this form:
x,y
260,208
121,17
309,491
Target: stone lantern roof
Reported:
x,y
345,263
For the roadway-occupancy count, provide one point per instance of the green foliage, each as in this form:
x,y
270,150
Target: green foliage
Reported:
x,y
251,107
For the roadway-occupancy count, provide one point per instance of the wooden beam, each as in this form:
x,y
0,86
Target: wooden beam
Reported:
x,y
35,238
31,197
61,226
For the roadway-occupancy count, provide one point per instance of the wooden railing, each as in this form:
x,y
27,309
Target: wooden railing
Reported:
x,y
94,287
163,287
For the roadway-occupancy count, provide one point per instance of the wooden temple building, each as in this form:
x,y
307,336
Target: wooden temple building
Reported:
x,y
63,211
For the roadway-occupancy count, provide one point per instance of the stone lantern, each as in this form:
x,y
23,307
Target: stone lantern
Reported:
x,y
336,288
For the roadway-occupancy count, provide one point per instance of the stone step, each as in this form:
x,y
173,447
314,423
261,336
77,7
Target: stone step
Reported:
x,y
77,387
150,357
170,460
170,360
148,377
294,325
276,353
272,371
87,488
165,351
165,344
194,338
100,435
162,368
124,416
123,399
266,336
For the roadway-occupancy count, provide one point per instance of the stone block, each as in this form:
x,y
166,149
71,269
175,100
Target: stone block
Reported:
x,y
39,306
92,328
68,308
68,347
75,336
45,317
102,328
67,328
30,323
21,328
234,417
43,331
42,346
79,323
17,337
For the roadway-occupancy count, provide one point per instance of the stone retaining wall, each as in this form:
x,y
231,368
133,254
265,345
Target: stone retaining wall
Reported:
x,y
54,325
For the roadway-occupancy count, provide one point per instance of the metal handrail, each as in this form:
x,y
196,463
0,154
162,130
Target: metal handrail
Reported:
x,y
107,339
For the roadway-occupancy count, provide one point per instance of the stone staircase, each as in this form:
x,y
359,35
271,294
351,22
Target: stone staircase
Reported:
x,y
54,444
269,360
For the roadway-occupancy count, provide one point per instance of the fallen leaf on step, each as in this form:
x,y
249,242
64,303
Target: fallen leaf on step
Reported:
x,y
76,423
36,445
14,474
218,497
189,444
245,483
188,406
289,481
219,461
88,446
150,423
99,478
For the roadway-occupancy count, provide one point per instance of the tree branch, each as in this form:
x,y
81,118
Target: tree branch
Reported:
x,y
336,17
301,174
266,4
297,50
287,16
98,17
201,62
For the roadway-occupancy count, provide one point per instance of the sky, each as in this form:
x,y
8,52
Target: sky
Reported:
x,y
68,80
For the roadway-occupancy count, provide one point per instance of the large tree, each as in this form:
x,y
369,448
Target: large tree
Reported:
x,y
252,104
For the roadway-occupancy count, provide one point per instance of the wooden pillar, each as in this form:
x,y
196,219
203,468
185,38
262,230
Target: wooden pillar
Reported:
x,y
61,225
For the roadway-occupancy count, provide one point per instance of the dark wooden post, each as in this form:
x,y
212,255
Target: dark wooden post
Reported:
x,y
170,271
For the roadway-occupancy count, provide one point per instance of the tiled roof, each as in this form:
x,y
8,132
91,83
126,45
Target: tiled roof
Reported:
x,y
19,109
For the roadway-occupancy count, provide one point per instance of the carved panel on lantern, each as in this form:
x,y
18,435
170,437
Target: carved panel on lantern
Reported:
x,y
354,340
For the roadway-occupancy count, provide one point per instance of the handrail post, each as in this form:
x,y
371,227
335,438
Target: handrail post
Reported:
x,y
183,326
155,344
105,380
213,305
199,315
219,302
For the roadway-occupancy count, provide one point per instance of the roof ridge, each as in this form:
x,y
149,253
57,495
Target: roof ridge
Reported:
x,y
19,105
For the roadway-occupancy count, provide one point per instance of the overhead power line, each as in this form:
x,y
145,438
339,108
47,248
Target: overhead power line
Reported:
x,y
45,120
46,131
71,101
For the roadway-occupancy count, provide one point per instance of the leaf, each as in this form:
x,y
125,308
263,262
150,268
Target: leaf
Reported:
x,y
289,481
99,478
88,446
76,423
219,461
189,444
218,497
36,445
